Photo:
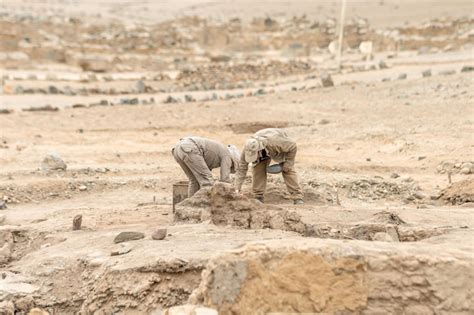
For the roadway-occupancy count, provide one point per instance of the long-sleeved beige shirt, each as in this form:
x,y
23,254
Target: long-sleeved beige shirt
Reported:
x,y
277,144
215,155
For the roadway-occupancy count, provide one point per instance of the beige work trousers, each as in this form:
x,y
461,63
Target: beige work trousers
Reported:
x,y
192,162
259,182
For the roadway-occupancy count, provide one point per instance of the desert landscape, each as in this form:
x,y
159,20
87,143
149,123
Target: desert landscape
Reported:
x,y
94,95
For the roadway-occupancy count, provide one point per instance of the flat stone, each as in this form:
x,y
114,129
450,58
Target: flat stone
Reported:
x,y
159,234
128,236
53,162
122,250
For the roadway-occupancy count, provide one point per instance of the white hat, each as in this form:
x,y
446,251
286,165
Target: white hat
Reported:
x,y
252,146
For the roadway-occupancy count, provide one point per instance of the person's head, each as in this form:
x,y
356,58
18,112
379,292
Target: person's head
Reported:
x,y
251,149
235,156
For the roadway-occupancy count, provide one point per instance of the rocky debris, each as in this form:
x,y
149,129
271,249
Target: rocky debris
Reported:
x,y
467,68
77,222
456,167
223,206
7,308
426,73
447,72
121,250
378,188
159,234
128,236
6,111
171,99
346,277
326,80
458,193
46,108
53,162
402,76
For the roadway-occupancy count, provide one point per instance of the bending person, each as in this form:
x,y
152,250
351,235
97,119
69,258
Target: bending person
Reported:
x,y
198,156
264,146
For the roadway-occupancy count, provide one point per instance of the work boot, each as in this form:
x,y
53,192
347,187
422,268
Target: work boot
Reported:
x,y
260,198
298,202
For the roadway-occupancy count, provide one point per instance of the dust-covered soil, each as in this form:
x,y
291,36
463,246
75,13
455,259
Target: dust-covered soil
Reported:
x,y
385,159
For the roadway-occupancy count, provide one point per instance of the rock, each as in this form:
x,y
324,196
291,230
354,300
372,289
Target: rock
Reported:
x,y
159,234
77,222
326,80
426,73
324,122
402,76
121,250
24,304
189,98
53,162
2,218
128,236
391,230
46,108
447,72
3,205
171,99
53,90
140,87
6,111
37,311
467,68
394,175
382,64
7,308
82,188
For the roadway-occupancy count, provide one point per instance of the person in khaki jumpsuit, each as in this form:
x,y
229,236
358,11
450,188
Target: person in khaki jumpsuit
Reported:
x,y
264,146
198,156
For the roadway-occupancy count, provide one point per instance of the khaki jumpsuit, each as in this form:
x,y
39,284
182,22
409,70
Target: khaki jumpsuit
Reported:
x,y
198,156
281,149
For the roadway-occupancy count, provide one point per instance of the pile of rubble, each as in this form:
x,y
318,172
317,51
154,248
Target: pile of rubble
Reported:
x,y
456,167
226,76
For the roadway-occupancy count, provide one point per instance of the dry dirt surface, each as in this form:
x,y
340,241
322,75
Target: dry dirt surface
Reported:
x,y
92,105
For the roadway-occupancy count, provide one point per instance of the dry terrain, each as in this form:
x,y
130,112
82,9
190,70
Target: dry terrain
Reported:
x,y
385,158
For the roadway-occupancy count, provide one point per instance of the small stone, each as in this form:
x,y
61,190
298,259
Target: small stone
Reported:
x,y
128,236
83,188
77,222
421,158
467,69
3,205
159,234
426,73
394,175
53,162
382,64
140,86
402,76
326,80
53,90
324,122
122,250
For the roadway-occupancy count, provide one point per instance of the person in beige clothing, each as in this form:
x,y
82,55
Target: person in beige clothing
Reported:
x,y
198,156
264,146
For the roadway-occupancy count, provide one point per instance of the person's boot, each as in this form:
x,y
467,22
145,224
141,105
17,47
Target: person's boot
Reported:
x,y
260,198
298,202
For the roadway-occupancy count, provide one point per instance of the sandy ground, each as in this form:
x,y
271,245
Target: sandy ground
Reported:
x,y
364,147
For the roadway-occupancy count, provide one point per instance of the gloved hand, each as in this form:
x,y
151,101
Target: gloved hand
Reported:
x,y
286,167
